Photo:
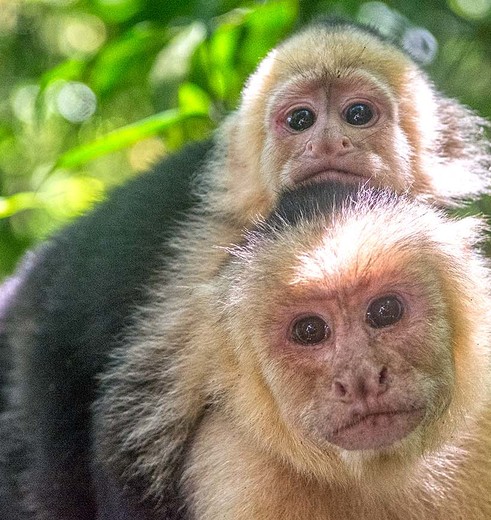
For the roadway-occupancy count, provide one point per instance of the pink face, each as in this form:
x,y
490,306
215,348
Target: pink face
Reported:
x,y
339,128
358,360
363,379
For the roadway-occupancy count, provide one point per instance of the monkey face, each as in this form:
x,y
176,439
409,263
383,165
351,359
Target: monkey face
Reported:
x,y
340,107
359,352
362,357
354,324
333,104
342,128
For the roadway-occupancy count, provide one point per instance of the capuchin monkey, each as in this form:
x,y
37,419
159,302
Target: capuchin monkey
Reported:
x,y
337,367
340,102
335,102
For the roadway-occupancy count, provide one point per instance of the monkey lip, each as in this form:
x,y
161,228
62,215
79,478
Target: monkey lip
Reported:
x,y
375,430
331,174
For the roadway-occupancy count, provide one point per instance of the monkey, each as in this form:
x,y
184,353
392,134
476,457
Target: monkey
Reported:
x,y
339,101
334,102
336,367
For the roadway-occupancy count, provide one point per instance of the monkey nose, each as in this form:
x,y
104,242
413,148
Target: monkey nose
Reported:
x,y
352,386
329,145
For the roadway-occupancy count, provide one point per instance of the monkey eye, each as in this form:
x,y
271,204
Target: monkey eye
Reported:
x,y
358,114
384,311
310,330
300,119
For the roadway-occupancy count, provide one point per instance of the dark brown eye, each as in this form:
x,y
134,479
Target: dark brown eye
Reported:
x,y
358,114
384,311
301,119
310,330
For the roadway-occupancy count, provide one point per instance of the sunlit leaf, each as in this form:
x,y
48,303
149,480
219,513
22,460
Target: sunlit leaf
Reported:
x,y
172,64
223,49
127,57
20,201
193,99
67,196
265,27
213,63
118,10
67,70
236,46
173,60
125,136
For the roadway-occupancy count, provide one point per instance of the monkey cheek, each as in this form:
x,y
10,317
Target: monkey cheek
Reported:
x,y
376,431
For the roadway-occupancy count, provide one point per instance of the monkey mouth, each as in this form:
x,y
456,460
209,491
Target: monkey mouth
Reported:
x,y
376,430
331,174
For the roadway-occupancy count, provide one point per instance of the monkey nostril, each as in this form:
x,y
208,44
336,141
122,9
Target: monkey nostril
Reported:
x,y
383,377
339,389
356,387
345,143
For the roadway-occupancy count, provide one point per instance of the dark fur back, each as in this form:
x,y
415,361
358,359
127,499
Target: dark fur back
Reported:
x,y
70,302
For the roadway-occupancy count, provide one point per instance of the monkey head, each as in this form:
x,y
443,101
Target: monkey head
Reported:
x,y
339,102
357,330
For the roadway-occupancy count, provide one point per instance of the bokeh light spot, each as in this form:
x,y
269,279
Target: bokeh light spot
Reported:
x,y
379,15
76,102
145,153
471,9
420,44
82,35
23,102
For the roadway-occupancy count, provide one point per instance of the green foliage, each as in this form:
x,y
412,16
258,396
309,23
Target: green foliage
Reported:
x,y
95,91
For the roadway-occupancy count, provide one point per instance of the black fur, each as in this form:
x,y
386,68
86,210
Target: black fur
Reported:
x,y
61,317
308,202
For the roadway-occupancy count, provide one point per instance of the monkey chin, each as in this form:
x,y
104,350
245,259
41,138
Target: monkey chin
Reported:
x,y
376,430
379,463
378,446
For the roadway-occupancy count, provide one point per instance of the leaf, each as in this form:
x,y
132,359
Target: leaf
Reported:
x,y
129,57
67,70
20,201
66,196
266,26
125,136
235,47
114,11
193,98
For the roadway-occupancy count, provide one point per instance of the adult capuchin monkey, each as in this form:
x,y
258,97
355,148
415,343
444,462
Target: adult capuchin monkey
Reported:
x,y
334,102
337,367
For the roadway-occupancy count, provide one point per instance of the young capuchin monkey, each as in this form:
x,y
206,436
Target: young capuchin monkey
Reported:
x,y
335,102
337,367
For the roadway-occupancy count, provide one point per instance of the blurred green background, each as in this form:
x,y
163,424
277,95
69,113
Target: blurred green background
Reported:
x,y
93,92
